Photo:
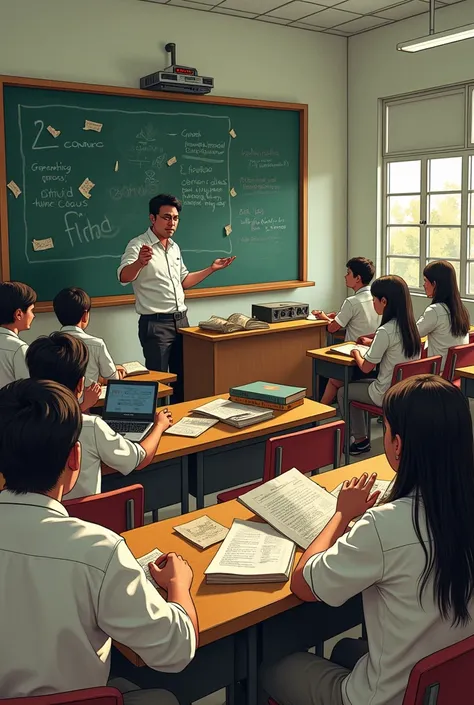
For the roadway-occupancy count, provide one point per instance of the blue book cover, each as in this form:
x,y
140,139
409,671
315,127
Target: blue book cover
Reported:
x,y
268,391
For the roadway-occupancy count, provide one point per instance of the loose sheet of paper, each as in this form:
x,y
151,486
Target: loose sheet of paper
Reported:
x,y
91,125
53,132
103,391
149,558
191,426
46,244
233,192
116,167
228,230
225,409
293,504
347,349
381,486
171,161
14,188
85,188
233,133
203,532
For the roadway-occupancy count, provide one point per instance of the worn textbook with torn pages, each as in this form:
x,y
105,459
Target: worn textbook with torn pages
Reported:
x,y
235,322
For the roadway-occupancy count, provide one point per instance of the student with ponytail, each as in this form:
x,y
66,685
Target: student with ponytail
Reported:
x,y
446,320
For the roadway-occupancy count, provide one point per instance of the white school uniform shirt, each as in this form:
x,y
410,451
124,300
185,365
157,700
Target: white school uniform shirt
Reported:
x,y
68,587
158,287
100,444
357,315
436,324
100,361
386,349
382,558
12,357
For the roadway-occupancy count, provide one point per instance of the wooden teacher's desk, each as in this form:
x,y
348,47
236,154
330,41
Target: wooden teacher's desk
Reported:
x,y
219,458
229,614
215,362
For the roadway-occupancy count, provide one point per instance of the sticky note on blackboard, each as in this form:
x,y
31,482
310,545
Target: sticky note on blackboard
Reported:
x,y
228,230
171,161
116,167
46,244
91,125
14,188
53,132
233,133
233,192
85,188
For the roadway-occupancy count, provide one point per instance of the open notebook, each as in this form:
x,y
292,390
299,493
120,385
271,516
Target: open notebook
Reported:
x,y
347,348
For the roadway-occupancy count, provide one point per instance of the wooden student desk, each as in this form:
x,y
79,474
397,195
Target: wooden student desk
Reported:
x,y
163,379
236,619
215,362
467,380
219,458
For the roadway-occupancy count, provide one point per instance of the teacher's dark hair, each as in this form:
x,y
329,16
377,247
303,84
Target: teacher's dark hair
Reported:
x,y
398,308
432,418
164,199
443,275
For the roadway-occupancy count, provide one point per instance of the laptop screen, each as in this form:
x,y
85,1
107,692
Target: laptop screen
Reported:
x,y
130,400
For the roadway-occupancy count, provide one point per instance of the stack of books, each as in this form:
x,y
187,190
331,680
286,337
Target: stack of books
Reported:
x,y
280,397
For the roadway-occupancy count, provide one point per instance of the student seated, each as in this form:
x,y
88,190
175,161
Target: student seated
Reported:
x,y
17,302
72,308
412,557
357,314
446,320
397,340
69,586
62,358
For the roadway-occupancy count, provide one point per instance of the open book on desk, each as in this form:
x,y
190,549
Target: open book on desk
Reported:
x,y
235,322
134,368
237,415
252,552
347,348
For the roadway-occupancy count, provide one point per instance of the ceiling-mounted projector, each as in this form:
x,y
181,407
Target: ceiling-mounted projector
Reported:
x,y
177,79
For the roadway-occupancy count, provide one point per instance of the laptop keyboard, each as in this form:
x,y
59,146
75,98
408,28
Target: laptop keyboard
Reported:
x,y
128,426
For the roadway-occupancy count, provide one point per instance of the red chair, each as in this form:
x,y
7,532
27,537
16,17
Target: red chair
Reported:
x,y
471,336
458,356
427,365
306,450
119,510
443,678
89,696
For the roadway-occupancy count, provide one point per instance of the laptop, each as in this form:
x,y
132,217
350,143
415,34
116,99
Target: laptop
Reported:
x,y
129,407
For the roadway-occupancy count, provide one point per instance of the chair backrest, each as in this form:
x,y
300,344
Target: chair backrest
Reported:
x,y
458,356
471,336
89,696
423,366
119,510
306,450
443,678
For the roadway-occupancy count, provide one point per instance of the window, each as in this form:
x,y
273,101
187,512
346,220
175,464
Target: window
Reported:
x,y
428,193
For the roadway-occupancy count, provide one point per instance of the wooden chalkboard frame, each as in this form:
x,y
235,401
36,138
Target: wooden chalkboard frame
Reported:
x,y
121,300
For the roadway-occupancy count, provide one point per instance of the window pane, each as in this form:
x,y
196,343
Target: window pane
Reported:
x,y
457,267
470,235
404,177
445,209
444,243
470,274
404,241
403,209
471,209
408,269
471,170
445,174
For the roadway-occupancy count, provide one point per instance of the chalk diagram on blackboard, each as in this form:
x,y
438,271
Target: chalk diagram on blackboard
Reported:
x,y
197,189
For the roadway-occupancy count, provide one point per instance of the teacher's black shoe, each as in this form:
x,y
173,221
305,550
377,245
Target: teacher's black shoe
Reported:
x,y
361,447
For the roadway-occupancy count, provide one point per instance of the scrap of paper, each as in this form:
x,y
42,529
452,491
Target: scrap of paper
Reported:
x,y
233,192
53,132
233,133
228,230
14,188
203,532
85,188
91,125
171,161
149,558
39,245
116,167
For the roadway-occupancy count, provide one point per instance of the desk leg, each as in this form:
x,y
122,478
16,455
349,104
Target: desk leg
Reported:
x,y
184,485
199,481
347,436
315,381
464,386
252,665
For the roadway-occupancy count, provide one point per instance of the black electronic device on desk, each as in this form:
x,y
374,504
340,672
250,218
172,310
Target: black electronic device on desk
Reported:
x,y
280,312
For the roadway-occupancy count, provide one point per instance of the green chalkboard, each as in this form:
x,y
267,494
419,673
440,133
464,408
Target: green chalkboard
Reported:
x,y
128,163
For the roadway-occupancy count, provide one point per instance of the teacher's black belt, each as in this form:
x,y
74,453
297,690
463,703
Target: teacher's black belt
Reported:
x,y
177,316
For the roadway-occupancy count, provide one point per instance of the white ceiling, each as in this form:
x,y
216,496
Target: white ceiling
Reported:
x,y
342,17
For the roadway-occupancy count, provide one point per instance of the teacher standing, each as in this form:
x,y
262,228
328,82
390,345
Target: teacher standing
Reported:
x,y
152,263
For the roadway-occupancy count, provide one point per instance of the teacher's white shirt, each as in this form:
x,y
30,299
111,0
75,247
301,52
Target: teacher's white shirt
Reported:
x,y
158,287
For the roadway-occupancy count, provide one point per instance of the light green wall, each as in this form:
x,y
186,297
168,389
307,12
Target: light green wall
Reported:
x,y
378,70
117,41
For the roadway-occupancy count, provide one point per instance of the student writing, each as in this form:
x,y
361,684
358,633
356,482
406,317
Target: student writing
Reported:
x,y
62,358
17,302
411,557
446,320
396,340
357,314
70,586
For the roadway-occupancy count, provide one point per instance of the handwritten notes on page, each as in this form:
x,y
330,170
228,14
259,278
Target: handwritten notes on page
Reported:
x,y
91,125
86,187
202,532
14,188
150,557
39,245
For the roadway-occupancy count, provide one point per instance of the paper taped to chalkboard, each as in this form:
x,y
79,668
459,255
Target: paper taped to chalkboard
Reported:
x,y
85,188
233,192
91,125
233,133
171,161
228,230
53,132
14,188
46,244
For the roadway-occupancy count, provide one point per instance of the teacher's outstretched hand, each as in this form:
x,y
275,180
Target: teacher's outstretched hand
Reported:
x,y
221,263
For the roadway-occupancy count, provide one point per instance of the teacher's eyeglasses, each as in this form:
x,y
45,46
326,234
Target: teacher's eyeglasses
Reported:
x,y
170,218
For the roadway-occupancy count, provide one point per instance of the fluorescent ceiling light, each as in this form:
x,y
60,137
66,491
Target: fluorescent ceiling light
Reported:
x,y
438,39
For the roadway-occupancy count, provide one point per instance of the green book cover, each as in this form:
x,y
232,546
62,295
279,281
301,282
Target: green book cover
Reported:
x,y
269,391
